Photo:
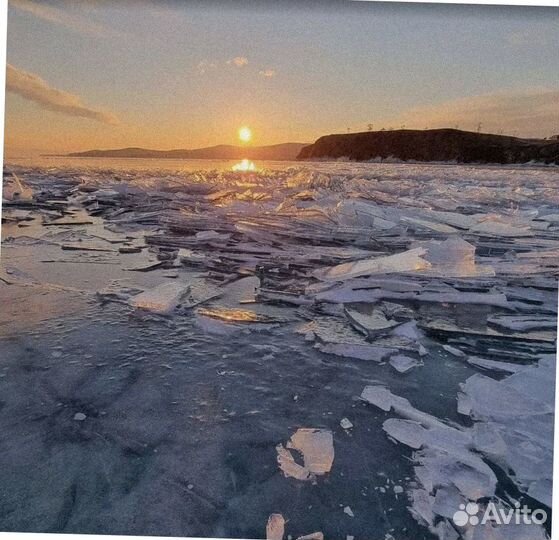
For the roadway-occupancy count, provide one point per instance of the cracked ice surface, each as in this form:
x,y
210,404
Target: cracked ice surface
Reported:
x,y
199,340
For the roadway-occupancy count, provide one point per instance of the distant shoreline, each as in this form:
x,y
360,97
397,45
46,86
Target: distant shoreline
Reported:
x,y
450,146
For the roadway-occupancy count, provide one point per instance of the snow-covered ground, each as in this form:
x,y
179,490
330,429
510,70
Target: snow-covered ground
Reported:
x,y
354,349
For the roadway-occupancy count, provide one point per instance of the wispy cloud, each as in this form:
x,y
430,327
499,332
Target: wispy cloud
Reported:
x,y
529,112
238,61
62,17
31,87
268,73
211,65
204,66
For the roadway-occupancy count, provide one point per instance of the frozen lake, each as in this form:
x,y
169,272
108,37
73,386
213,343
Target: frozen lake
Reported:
x,y
169,330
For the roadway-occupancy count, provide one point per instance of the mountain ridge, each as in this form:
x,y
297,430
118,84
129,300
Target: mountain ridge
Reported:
x,y
280,152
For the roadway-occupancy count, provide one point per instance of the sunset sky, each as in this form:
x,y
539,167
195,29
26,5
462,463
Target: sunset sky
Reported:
x,y
108,74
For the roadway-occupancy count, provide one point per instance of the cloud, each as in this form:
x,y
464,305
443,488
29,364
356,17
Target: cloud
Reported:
x,y
31,87
205,66
268,73
62,17
238,61
528,112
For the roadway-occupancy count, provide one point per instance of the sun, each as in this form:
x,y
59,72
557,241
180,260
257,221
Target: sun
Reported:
x,y
245,134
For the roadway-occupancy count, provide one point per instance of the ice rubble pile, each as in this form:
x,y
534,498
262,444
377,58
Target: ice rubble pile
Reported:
x,y
513,429
369,263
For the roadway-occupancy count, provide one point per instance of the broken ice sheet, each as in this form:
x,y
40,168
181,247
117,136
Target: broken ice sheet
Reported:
x,y
314,446
437,227
493,365
407,261
381,397
445,463
14,189
520,409
369,321
313,536
403,364
275,527
444,327
522,323
335,336
236,315
161,299
495,226
360,213
216,326
453,257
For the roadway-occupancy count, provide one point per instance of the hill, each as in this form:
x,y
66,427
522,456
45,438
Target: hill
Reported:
x,y
433,145
281,152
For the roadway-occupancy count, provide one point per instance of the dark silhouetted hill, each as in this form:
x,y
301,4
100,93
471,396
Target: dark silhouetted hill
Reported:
x,y
433,145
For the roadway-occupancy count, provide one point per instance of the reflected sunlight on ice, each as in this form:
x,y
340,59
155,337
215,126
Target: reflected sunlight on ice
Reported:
x,y
244,166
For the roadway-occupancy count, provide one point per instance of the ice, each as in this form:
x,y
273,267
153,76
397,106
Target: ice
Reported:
x,y
85,247
403,364
407,432
130,249
313,536
408,330
200,292
522,323
316,268
371,323
497,228
214,326
348,511
382,398
445,327
489,299
360,352
453,257
437,227
316,446
447,500
492,399
454,351
493,365
454,219
161,299
422,506
487,440
519,409
14,189
449,468
407,261
234,315
511,531
544,254
275,527
541,490
361,213
335,336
